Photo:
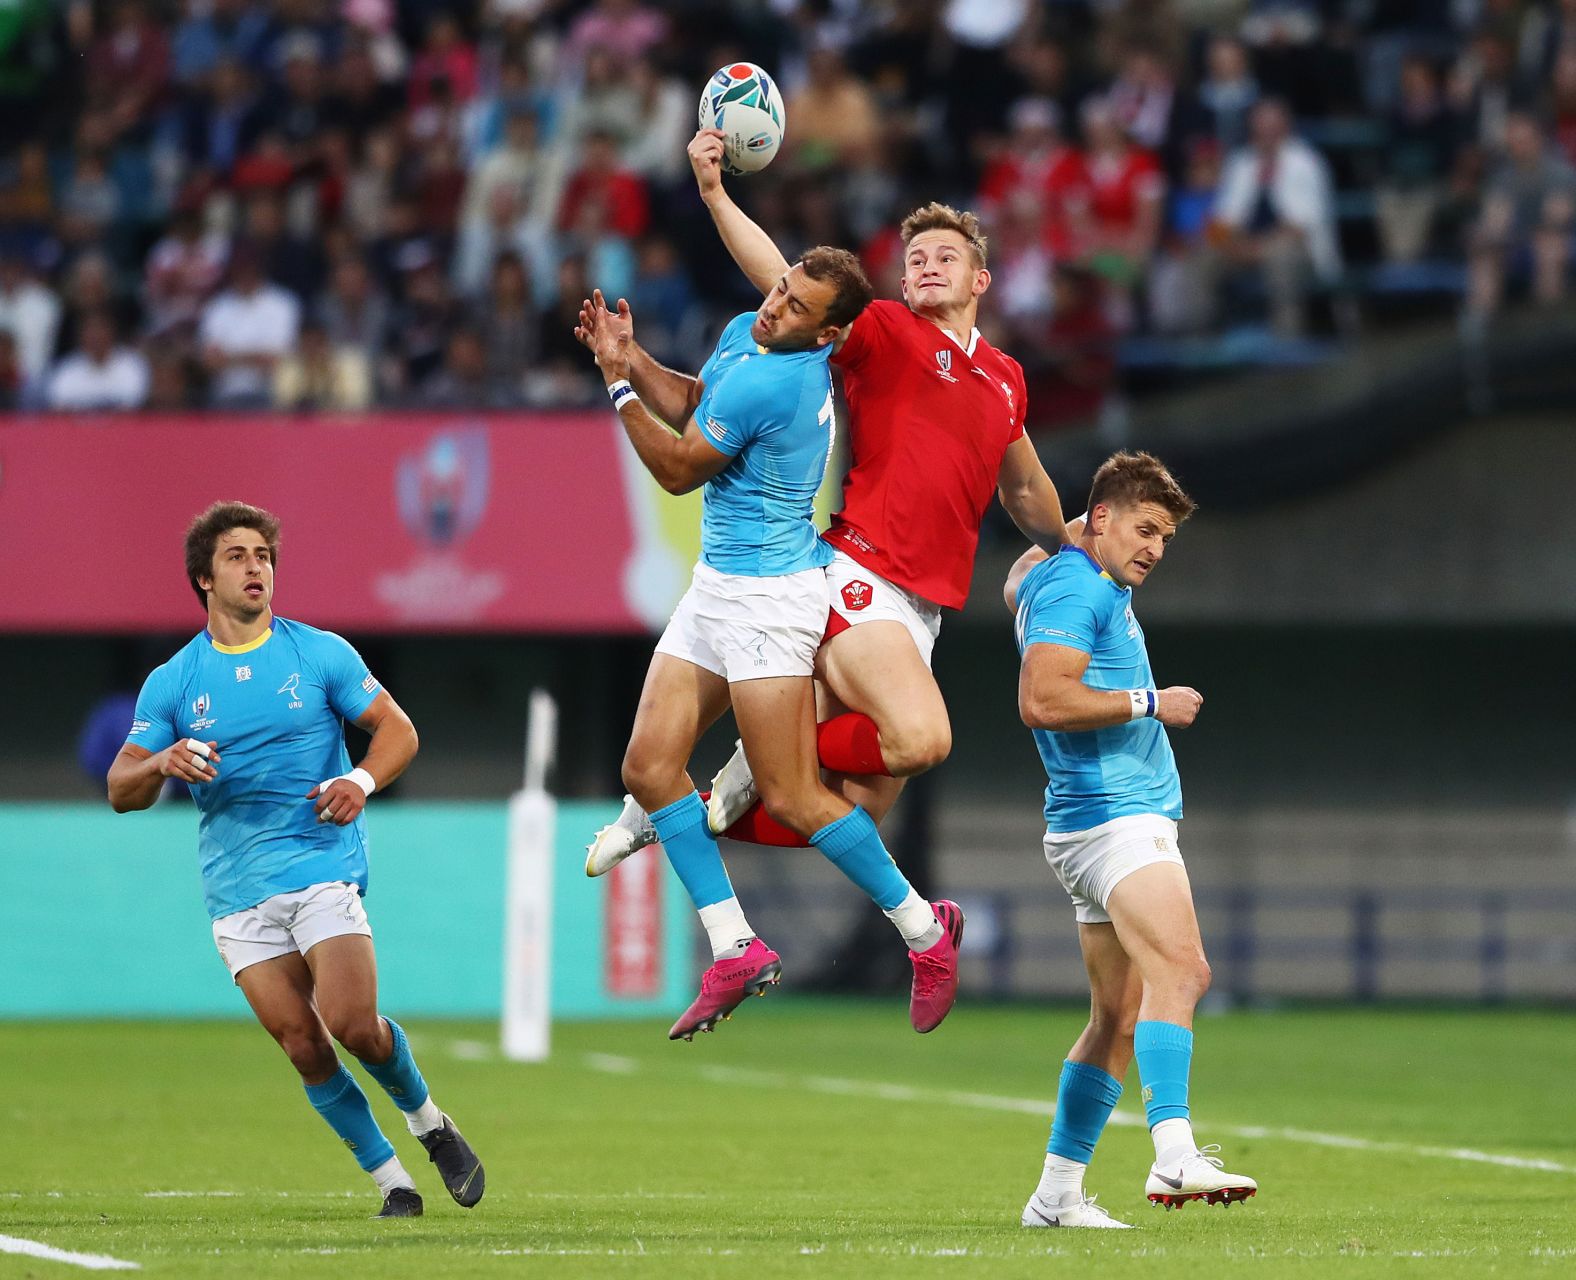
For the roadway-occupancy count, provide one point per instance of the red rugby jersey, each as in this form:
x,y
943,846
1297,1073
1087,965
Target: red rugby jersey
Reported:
x,y
930,424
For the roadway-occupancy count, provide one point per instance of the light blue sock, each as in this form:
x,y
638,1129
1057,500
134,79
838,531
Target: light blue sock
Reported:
x,y
398,1074
1084,1099
339,1100
692,850
853,845
1165,1053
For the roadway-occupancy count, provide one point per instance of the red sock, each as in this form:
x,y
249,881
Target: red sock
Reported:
x,y
759,827
849,743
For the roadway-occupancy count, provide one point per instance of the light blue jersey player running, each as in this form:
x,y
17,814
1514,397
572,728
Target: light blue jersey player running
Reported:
x,y
250,715
1111,812
758,431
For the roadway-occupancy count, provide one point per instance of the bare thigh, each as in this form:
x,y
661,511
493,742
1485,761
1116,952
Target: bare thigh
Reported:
x,y
1116,989
776,719
1152,911
280,992
678,703
345,980
875,668
874,793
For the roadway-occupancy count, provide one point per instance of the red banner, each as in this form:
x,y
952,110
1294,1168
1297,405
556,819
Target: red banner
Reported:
x,y
412,522
633,927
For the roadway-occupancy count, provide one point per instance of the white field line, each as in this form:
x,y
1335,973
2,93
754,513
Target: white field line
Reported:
x,y
890,1092
88,1261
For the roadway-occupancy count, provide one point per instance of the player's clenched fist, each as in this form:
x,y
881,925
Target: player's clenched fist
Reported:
x,y
190,761
705,157
1178,706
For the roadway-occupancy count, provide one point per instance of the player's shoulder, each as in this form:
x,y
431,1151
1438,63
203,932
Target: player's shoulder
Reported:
x,y
1068,575
986,353
309,639
736,330
172,673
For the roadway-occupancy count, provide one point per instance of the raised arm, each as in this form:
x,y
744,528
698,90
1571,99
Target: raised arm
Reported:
x,y
745,242
1029,496
679,460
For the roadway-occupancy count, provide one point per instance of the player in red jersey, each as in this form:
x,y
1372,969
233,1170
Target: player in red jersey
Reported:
x,y
936,429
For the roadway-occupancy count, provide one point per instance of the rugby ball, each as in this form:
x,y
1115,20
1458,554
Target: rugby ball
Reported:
x,y
743,101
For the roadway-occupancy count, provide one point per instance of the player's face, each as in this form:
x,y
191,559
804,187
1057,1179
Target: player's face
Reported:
x,y
243,574
939,272
1133,539
793,316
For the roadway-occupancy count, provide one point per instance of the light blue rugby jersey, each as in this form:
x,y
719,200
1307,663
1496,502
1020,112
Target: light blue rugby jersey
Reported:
x,y
773,413
1100,774
277,709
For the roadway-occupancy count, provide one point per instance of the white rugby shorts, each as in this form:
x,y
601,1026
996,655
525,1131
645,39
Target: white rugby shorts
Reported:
x,y
1090,864
288,922
858,595
746,628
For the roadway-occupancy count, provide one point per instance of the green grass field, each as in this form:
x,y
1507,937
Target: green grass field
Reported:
x,y
803,1139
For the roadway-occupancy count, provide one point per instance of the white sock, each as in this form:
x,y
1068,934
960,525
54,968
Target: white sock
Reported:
x,y
726,928
425,1118
1173,1140
390,1174
916,922
1061,1176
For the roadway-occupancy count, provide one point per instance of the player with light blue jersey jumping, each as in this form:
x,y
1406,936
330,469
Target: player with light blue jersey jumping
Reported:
x,y
757,433
1112,804
250,715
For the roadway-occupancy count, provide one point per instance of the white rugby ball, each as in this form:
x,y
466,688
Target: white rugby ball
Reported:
x,y
743,101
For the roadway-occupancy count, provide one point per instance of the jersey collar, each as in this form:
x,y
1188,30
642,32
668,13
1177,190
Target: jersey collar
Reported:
x,y
968,347
1080,551
239,648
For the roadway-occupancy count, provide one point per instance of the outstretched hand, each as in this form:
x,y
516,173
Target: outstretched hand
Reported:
x,y
607,334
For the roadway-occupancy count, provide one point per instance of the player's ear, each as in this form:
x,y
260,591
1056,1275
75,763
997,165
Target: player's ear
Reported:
x,y
981,281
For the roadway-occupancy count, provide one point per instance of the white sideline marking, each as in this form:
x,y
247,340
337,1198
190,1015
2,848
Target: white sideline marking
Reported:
x,y
471,1050
90,1261
890,1092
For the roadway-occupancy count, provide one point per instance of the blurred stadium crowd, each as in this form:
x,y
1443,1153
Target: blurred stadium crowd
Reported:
x,y
337,204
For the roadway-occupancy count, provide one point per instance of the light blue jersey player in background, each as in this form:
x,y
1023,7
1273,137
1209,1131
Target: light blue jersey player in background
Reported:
x,y
250,715
758,431
1111,812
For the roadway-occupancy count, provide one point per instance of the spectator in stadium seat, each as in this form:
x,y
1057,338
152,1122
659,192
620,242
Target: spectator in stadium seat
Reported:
x,y
627,28
602,178
1422,139
833,115
446,65
1040,165
100,374
365,101
245,332
216,31
27,201
562,377
1227,92
507,326
463,381
1483,88
656,151
182,272
605,100
294,261
318,376
219,124
128,69
1151,108
90,201
30,313
353,311
300,109
422,321
664,296
1276,215
1181,293
1126,207
1562,103
1529,208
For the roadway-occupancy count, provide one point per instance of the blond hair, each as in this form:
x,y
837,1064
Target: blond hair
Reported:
x,y
936,216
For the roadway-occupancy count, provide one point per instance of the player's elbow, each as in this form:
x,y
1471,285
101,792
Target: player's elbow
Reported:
x,y
1040,712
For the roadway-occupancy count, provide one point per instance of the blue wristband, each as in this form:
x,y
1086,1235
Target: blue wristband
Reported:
x,y
621,391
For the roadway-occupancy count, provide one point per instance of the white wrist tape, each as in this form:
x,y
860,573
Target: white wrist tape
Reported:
x,y
199,750
620,391
1145,703
358,775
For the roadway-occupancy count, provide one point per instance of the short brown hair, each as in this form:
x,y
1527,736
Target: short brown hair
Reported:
x,y
943,217
1127,479
202,537
842,271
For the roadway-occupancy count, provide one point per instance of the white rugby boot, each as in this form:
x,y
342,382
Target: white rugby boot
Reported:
x,y
1198,1175
1073,1209
733,791
630,831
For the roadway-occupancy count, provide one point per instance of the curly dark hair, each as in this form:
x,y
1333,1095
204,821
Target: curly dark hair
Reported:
x,y
841,269
202,538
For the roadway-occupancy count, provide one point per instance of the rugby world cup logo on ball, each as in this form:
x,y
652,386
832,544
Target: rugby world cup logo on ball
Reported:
x,y
742,101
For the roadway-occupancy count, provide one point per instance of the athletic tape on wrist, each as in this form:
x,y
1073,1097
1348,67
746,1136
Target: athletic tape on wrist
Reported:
x,y
358,775
1145,702
620,391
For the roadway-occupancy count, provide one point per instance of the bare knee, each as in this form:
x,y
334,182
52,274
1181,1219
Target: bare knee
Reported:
x,y
361,1033
792,807
914,748
647,776
1114,1022
310,1051
1189,977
